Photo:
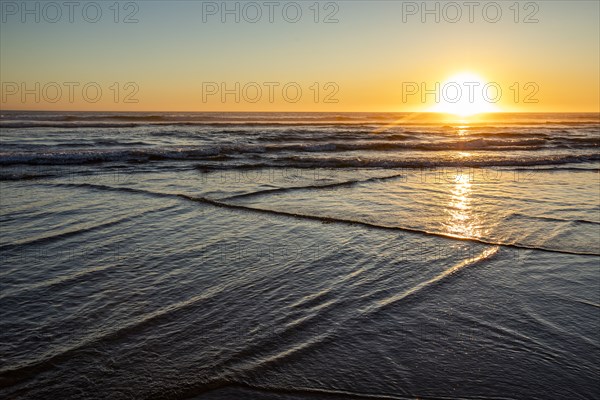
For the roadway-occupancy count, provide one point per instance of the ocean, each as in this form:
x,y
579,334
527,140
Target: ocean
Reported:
x,y
299,256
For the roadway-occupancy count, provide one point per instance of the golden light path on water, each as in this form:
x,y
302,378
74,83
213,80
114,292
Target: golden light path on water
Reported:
x,y
460,220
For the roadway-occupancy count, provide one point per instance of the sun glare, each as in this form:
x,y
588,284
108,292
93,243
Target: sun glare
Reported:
x,y
466,94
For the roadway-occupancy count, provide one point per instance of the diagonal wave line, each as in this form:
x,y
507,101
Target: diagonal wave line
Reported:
x,y
314,187
484,255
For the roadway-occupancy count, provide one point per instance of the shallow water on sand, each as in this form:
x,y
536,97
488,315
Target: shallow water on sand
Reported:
x,y
245,277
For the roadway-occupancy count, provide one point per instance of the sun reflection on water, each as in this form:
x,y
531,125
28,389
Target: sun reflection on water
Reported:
x,y
461,220
462,130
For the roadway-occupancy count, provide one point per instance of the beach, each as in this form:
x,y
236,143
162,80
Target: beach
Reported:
x,y
299,256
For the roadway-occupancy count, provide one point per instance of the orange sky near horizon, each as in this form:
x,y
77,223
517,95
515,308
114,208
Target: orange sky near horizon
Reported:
x,y
374,56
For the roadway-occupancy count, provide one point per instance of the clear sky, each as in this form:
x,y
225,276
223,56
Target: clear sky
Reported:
x,y
378,56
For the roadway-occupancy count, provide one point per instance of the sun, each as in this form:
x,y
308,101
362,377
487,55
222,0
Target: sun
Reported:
x,y
466,94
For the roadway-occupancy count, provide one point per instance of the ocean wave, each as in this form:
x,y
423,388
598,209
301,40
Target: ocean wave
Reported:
x,y
382,121
71,125
18,373
552,219
324,219
292,154
315,187
98,156
109,124
364,162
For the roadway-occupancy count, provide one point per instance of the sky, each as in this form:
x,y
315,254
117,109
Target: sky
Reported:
x,y
390,56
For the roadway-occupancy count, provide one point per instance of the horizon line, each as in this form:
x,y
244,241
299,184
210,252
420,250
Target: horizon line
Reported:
x,y
300,112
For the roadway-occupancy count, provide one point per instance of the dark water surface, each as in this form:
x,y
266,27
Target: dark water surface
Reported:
x,y
299,256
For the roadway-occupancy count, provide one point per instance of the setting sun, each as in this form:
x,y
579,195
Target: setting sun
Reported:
x,y
466,94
